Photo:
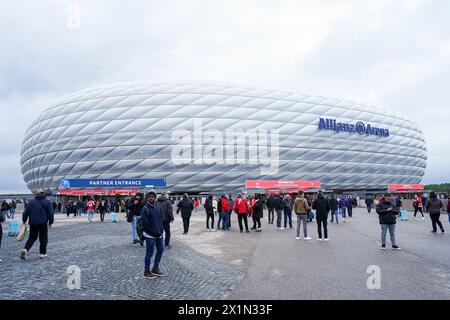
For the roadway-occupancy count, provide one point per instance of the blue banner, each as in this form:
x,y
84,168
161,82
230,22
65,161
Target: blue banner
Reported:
x,y
112,183
359,127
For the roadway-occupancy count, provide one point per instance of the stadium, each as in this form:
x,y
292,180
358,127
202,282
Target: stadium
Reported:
x,y
204,137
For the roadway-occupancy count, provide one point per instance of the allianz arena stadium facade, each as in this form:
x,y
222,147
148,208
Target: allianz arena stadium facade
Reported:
x,y
215,136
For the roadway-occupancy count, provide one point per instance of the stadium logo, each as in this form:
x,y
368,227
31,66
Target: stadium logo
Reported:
x,y
65,184
360,127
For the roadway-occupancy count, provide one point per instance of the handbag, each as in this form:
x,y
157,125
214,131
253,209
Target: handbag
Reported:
x,y
22,232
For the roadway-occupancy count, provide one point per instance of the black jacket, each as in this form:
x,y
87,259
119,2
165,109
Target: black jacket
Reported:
x,y
166,207
333,204
39,211
322,207
209,206
186,207
385,216
270,202
152,220
277,203
258,211
135,209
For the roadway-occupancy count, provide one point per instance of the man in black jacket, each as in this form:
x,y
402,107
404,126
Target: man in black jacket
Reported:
x,y
209,213
387,213
39,213
334,205
278,205
322,207
134,213
271,207
186,207
166,207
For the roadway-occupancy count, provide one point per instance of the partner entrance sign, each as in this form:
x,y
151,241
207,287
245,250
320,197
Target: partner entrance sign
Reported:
x,y
281,184
112,183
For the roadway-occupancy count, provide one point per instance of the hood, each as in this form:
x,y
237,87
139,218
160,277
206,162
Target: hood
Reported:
x,y
40,197
162,199
320,196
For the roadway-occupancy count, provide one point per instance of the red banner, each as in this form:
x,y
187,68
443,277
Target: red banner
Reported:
x,y
281,184
406,187
122,192
82,192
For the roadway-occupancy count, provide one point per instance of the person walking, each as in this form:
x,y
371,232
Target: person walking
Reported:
x,y
350,206
152,221
12,210
90,209
417,204
287,206
230,212
209,208
5,210
434,207
223,207
134,213
240,207
322,207
301,208
387,213
258,212
369,204
186,207
167,211
215,206
448,208
102,209
343,203
424,202
334,205
39,213
196,205
278,206
271,208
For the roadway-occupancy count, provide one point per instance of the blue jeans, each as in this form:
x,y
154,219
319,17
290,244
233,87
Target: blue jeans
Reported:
x,y
12,212
223,216
334,215
90,214
151,243
287,216
4,215
343,212
134,235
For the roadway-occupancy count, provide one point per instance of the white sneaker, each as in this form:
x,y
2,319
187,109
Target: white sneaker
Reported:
x,y
43,256
307,239
423,218
23,254
281,228
326,239
298,238
319,239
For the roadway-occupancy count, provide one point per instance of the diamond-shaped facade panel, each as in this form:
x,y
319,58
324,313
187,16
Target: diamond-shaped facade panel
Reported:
x,y
214,136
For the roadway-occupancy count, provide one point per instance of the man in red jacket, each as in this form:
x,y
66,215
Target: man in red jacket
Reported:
x,y
240,207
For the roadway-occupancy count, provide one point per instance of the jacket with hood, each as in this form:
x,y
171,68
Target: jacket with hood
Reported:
x,y
258,207
240,206
385,216
434,205
152,220
301,206
334,204
322,207
209,208
343,203
135,209
166,208
278,203
270,202
186,207
39,211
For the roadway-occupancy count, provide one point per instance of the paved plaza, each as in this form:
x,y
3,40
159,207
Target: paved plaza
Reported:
x,y
230,265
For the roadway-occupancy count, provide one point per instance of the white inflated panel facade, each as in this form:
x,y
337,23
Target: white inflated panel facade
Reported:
x,y
126,130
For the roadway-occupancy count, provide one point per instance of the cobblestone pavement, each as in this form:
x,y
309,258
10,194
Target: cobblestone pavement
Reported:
x,y
111,268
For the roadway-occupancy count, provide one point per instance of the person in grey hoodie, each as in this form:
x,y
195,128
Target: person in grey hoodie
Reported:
x,y
434,207
186,207
167,210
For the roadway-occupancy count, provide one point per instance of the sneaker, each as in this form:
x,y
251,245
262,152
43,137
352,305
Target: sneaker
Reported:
x,y
326,239
149,275
307,238
442,230
43,256
319,239
298,238
141,243
157,272
23,254
258,230
247,231
168,247
433,231
135,241
383,247
396,248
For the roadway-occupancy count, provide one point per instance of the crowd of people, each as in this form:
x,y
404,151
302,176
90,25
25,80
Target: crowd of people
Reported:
x,y
151,216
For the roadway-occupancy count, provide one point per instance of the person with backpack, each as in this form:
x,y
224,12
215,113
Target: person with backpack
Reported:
x,y
240,208
223,207
322,207
134,213
186,207
334,205
301,208
152,221
369,203
167,210
434,207
258,212
39,213
417,204
209,208
287,206
387,213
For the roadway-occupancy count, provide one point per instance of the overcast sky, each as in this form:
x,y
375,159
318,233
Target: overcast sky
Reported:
x,y
394,54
